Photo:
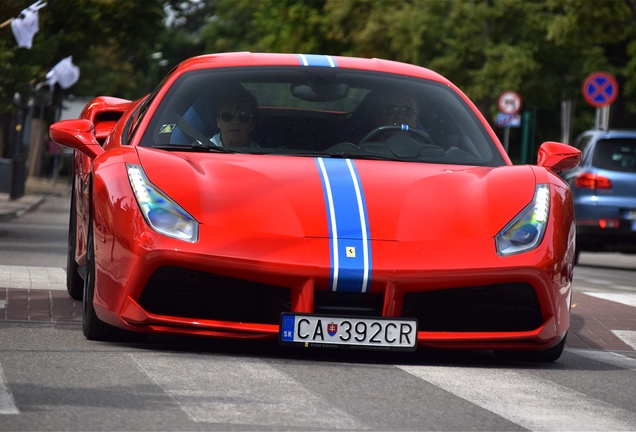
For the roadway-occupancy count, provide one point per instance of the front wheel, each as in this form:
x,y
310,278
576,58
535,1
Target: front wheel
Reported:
x,y
92,326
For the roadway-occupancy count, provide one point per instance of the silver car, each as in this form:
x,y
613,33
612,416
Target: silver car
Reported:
x,y
604,190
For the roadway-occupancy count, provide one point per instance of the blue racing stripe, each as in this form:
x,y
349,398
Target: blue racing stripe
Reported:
x,y
348,225
317,60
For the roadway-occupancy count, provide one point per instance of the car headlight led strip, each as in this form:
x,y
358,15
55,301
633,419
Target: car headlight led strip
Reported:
x,y
525,232
161,213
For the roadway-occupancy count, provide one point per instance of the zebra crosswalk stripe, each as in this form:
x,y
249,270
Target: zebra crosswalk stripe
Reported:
x,y
607,357
627,336
208,392
528,401
628,299
7,404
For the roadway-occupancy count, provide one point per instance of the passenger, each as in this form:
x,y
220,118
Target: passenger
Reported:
x,y
236,119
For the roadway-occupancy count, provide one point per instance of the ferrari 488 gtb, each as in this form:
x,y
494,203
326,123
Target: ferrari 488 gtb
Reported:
x,y
320,201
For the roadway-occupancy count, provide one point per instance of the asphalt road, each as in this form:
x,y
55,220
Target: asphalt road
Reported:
x,y
53,379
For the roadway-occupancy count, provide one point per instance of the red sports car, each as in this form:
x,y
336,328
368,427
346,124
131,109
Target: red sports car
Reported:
x,y
321,201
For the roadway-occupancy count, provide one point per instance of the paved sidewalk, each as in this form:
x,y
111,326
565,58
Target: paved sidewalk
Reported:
x,y
598,323
36,191
38,305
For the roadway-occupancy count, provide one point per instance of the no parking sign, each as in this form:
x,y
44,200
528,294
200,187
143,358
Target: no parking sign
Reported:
x,y
600,89
509,102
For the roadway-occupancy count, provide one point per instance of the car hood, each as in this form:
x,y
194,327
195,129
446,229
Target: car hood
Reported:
x,y
314,197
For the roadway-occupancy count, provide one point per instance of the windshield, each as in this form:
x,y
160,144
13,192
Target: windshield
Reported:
x,y
332,112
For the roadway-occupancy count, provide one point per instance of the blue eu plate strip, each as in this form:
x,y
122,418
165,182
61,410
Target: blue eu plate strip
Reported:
x,y
348,225
287,328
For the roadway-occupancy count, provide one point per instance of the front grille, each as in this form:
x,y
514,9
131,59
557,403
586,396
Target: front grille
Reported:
x,y
181,292
507,307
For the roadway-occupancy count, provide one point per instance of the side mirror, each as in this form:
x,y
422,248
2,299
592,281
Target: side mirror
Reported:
x,y
78,134
558,157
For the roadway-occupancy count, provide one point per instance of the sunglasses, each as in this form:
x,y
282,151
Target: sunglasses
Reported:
x,y
243,116
399,109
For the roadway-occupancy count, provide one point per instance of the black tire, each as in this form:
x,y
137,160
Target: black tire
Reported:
x,y
549,355
92,326
74,281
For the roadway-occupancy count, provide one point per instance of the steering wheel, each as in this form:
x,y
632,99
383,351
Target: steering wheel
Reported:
x,y
418,134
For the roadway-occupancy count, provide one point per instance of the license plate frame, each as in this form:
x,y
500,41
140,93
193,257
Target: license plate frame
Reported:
x,y
318,331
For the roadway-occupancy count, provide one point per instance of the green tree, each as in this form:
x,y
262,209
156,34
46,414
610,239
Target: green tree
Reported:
x,y
542,49
603,35
110,41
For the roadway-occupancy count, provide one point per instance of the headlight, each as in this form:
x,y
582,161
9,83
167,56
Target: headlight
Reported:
x,y
161,213
526,230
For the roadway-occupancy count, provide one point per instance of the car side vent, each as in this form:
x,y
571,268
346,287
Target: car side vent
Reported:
x,y
180,292
506,307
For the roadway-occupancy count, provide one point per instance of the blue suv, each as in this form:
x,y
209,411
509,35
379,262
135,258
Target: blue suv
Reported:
x,y
604,190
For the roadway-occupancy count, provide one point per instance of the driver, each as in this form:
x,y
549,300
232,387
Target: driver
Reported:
x,y
385,108
396,109
396,121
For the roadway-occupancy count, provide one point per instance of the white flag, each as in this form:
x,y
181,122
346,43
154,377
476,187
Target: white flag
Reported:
x,y
26,25
65,73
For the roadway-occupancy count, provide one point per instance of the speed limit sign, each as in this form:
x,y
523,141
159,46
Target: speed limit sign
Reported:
x,y
509,102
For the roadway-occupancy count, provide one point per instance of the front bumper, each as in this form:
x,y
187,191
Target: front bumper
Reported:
x,y
510,315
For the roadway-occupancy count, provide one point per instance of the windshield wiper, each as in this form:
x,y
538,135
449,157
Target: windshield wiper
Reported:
x,y
368,156
196,146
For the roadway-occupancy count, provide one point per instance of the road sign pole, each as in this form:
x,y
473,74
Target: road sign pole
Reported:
x,y
602,117
506,138
528,135
566,120
597,118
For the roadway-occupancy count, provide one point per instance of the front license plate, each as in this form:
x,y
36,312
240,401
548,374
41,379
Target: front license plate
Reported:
x,y
390,334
